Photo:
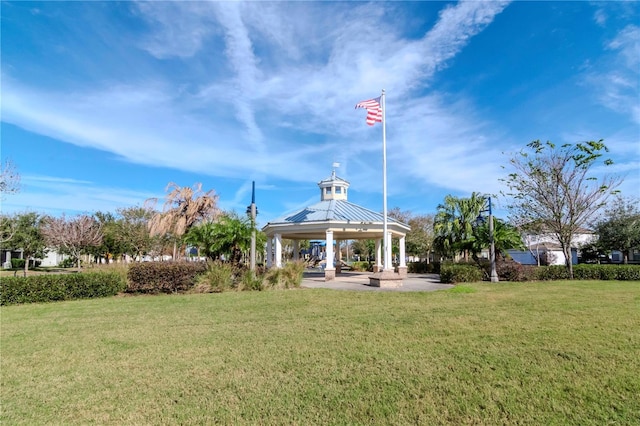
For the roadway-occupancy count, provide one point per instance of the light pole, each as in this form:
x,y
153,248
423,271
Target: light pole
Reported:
x,y
492,247
252,212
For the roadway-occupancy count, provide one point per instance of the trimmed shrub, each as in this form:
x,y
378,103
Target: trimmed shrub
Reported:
x,y
590,272
416,267
17,263
509,270
606,272
459,273
627,272
163,277
52,287
423,267
552,273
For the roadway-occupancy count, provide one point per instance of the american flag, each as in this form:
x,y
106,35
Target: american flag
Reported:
x,y
374,110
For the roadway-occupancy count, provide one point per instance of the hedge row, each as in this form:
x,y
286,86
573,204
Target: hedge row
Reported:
x,y
423,267
459,273
591,272
512,271
53,287
163,277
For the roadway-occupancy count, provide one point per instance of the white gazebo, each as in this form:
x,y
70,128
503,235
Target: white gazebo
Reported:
x,y
336,219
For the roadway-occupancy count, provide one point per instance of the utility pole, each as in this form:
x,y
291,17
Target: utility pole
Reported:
x,y
252,211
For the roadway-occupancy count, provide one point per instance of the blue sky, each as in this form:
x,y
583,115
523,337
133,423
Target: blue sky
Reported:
x,y
104,103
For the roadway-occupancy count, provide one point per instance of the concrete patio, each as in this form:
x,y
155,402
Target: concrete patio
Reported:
x,y
359,281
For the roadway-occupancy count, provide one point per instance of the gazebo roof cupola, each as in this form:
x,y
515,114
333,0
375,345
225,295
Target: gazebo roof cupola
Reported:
x,y
333,188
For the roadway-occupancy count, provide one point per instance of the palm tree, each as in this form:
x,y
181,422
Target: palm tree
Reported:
x,y
454,223
230,235
183,207
204,236
505,237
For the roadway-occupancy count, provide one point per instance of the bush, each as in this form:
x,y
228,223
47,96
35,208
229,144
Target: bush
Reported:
x,y
250,281
509,270
361,266
289,276
52,287
552,273
590,272
423,267
217,278
606,272
459,273
627,272
17,263
163,277
68,263
292,273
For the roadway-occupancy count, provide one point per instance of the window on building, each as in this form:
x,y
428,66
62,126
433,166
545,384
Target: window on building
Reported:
x,y
338,190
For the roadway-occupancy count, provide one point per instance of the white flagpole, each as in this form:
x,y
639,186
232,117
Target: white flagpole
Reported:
x,y
386,250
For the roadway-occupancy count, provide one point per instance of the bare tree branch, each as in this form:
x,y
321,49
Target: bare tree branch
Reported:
x,y
72,236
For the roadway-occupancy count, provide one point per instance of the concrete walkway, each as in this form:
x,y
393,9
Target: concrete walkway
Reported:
x,y
359,281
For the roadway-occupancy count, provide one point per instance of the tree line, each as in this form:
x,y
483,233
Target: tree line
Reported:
x,y
552,190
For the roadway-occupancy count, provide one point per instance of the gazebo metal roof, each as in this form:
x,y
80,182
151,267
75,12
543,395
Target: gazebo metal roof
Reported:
x,y
333,210
347,220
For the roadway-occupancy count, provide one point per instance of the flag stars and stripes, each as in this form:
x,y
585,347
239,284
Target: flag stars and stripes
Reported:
x,y
374,110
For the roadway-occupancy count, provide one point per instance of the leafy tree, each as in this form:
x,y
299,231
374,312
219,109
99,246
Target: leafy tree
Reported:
x,y
28,237
592,252
420,239
552,186
132,230
365,249
111,247
454,224
183,208
72,236
9,178
621,228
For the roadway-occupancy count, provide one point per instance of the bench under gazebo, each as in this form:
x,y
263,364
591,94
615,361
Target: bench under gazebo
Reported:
x,y
336,219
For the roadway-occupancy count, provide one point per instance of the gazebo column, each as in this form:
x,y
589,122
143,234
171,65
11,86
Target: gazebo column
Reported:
x,y
378,266
270,252
329,270
296,250
402,266
278,250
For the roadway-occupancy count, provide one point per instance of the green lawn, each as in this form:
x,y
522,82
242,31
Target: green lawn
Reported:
x,y
534,353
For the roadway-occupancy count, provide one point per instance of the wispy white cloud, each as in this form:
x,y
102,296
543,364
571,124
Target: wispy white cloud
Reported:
x,y
618,85
57,195
279,103
154,124
243,61
178,34
600,17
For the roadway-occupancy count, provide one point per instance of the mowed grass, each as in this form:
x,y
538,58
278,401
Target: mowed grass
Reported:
x,y
534,353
